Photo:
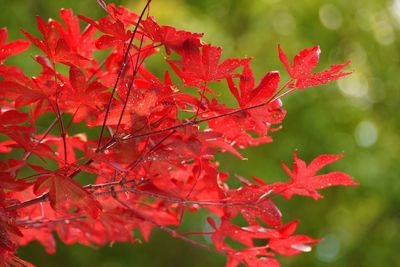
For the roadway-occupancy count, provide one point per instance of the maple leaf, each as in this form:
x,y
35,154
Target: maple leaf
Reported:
x,y
8,172
251,126
228,229
285,243
304,180
9,234
80,43
246,128
16,86
83,98
200,65
115,224
127,17
171,38
12,116
257,206
282,240
53,45
20,135
114,29
73,144
65,191
12,48
304,63
8,230
43,235
249,95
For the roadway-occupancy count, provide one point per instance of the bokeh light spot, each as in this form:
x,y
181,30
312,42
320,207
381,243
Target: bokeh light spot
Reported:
x,y
366,134
395,9
355,85
383,31
330,16
328,249
284,23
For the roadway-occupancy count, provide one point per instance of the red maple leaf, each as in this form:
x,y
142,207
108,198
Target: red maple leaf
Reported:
x,y
250,127
285,243
8,173
304,180
200,65
228,229
73,144
256,207
83,98
16,86
64,191
250,95
282,240
12,48
54,45
80,43
304,63
115,34
171,38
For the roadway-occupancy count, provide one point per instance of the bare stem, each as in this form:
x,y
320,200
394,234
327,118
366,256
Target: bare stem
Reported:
x,y
120,72
60,119
48,130
135,70
43,222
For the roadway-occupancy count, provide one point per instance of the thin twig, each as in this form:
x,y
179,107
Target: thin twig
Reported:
x,y
135,71
120,72
48,130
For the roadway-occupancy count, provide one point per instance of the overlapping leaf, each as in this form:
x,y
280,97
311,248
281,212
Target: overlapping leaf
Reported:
x,y
64,193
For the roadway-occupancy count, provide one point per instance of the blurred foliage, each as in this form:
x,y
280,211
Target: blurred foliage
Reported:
x,y
357,115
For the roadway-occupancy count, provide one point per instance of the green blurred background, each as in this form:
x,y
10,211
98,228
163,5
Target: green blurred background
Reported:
x,y
358,116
